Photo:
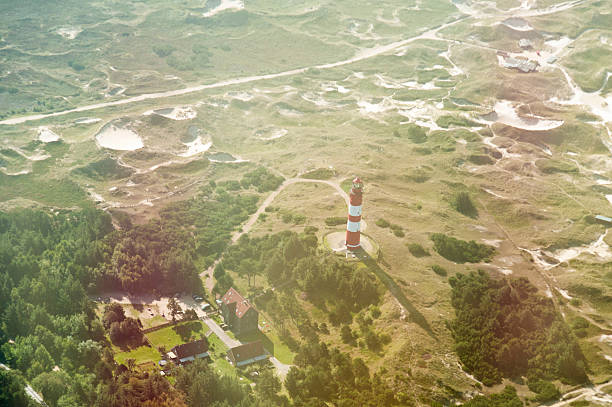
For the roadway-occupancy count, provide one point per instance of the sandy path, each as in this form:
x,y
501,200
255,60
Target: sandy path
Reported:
x,y
360,56
210,282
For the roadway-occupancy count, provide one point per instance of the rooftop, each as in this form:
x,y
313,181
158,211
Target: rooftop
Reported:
x,y
247,351
242,304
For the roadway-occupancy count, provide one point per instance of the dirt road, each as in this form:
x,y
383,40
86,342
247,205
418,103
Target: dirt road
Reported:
x,y
210,282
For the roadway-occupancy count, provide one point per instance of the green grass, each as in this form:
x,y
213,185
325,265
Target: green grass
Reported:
x,y
142,354
177,334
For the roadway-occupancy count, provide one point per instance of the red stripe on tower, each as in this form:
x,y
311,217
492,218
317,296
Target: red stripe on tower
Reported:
x,y
354,216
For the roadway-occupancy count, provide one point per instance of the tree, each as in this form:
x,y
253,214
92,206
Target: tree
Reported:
x,y
131,364
174,308
347,334
268,385
12,391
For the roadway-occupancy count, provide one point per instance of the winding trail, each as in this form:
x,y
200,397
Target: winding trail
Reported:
x,y
363,54
246,228
591,393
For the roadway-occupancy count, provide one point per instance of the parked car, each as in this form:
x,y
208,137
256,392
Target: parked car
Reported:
x,y
224,326
206,307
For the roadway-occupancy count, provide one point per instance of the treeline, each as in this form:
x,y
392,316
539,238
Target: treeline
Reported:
x,y
503,328
260,178
323,376
291,260
159,256
46,261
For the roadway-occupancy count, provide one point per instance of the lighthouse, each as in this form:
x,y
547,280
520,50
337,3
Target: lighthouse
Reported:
x,y
354,215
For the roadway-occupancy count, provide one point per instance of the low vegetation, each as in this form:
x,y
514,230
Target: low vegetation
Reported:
x,y
462,203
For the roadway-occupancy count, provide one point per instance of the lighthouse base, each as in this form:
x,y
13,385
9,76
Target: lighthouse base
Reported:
x,y
336,241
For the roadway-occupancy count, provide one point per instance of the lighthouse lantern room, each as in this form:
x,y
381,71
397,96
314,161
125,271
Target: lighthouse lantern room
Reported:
x,y
354,215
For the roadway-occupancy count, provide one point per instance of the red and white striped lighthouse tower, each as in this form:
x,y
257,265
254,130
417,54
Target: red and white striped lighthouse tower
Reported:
x,y
354,215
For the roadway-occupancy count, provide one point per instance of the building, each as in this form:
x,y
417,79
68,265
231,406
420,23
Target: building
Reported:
x,y
247,353
354,215
238,313
188,352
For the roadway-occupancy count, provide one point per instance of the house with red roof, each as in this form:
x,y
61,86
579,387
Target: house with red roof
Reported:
x,y
238,313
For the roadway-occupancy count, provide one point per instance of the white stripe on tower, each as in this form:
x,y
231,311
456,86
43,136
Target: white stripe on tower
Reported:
x,y
352,226
355,210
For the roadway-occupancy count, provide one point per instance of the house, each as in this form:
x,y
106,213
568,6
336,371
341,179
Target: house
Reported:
x,y
604,220
188,352
247,353
238,313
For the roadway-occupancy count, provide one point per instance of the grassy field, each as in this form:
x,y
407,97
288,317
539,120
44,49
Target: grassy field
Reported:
x,y
142,354
177,334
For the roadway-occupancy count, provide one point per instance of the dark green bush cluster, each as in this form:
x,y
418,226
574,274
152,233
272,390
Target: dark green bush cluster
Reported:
x,y
461,251
504,328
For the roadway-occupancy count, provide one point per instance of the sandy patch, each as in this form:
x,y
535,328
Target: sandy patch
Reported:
x,y
69,33
225,5
517,24
271,134
118,138
196,147
174,113
507,114
46,135
87,120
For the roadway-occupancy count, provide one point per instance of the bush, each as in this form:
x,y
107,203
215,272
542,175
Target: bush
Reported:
x,y
441,271
417,250
464,205
397,230
461,251
545,391
416,134
262,179
347,335
163,50
382,223
335,220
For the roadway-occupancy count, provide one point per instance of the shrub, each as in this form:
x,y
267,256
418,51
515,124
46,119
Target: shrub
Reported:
x,y
382,223
417,250
163,50
545,391
461,251
335,220
416,134
464,205
441,271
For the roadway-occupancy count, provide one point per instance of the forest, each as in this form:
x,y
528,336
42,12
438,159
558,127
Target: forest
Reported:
x,y
504,328
160,256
